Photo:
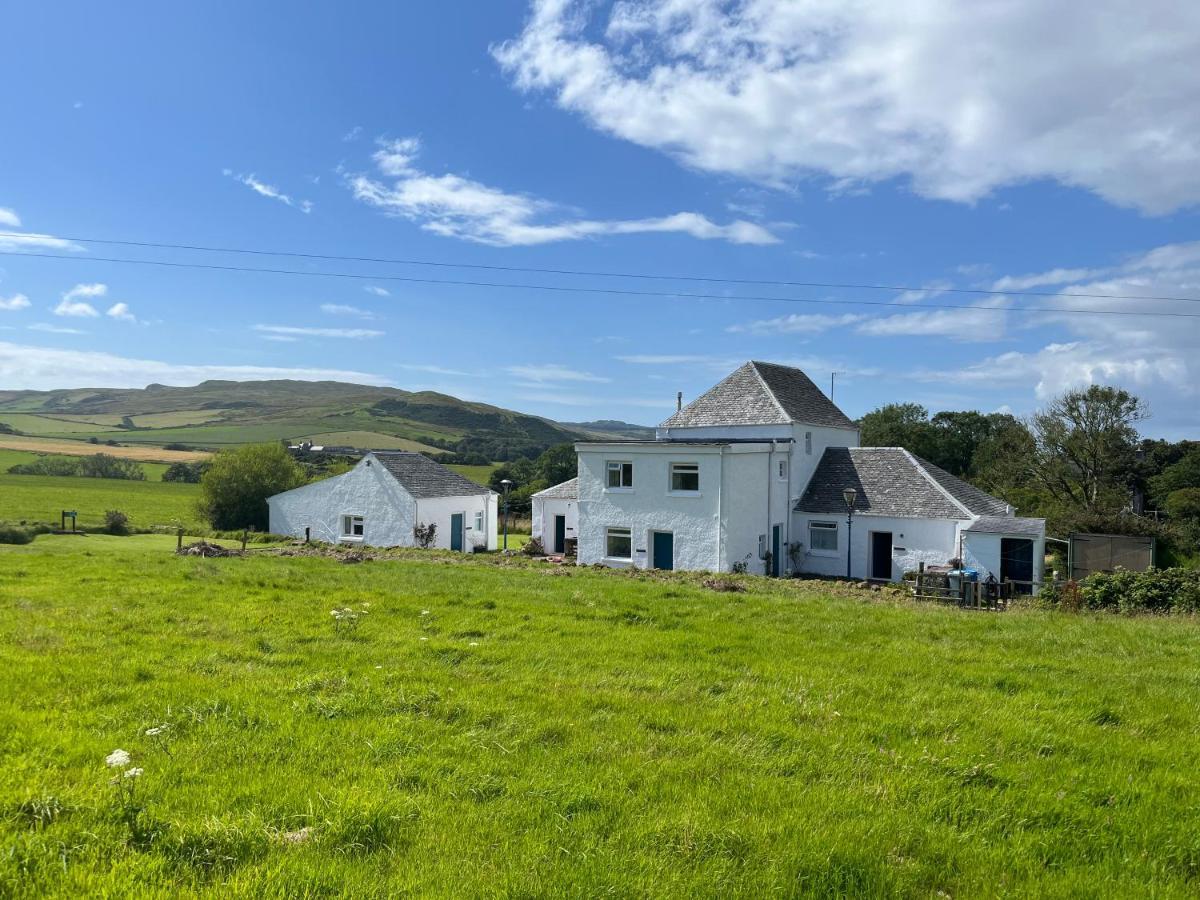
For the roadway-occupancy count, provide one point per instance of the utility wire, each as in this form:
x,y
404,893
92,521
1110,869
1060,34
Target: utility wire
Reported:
x,y
1066,310
600,274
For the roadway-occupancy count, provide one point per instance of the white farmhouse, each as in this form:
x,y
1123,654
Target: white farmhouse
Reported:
x,y
752,473
556,515
380,501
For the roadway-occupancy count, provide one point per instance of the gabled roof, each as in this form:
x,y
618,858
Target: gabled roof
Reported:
x,y
1008,525
978,502
890,482
760,393
423,478
568,490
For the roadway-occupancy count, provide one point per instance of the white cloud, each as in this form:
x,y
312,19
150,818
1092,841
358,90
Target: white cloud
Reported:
x,y
798,323
74,302
54,329
969,324
551,372
293,331
24,367
958,98
353,134
343,309
672,359
122,312
15,302
437,370
377,291
453,206
31,241
267,190
1043,279
9,218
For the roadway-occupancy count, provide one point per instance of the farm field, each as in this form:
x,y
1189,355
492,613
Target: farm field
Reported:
x,y
83,448
499,728
366,440
478,474
41,498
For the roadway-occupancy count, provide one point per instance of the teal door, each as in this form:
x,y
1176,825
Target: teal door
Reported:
x,y
775,568
456,531
560,534
664,550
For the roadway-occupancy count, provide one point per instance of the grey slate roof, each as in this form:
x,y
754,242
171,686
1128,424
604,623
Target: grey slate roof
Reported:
x,y
759,393
889,481
423,478
1008,525
568,490
978,502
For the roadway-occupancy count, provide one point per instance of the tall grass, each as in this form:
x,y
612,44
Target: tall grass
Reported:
x,y
493,728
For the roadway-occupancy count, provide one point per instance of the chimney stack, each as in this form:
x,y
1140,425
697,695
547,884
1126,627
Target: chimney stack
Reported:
x,y
678,401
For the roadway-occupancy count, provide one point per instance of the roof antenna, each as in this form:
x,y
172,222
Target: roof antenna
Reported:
x,y
832,376
678,401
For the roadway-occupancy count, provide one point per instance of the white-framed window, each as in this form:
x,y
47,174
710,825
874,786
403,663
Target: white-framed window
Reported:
x,y
618,543
620,474
352,526
808,442
479,517
781,469
685,477
823,537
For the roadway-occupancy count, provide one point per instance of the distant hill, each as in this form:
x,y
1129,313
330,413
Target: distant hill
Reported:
x,y
216,414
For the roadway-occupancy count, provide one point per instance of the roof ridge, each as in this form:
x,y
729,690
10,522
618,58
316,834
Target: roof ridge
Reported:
x,y
920,464
754,364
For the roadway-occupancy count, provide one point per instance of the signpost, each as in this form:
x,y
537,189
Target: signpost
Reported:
x,y
69,514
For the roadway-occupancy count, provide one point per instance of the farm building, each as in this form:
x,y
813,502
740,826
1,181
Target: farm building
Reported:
x,y
383,498
556,515
755,473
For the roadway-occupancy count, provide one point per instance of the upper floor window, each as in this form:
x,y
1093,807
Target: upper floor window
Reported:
x,y
685,477
352,526
808,442
620,474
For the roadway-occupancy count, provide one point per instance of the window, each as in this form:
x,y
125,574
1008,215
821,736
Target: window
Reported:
x,y
620,474
808,442
618,543
782,469
823,536
685,477
352,526
479,521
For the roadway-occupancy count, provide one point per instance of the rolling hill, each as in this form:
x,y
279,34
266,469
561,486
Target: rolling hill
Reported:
x,y
217,414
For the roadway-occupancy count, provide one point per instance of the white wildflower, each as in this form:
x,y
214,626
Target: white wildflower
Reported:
x,y
133,773
424,612
473,644
117,759
157,730
424,638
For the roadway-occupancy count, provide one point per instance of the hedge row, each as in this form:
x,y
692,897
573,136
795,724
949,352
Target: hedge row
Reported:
x,y
1152,591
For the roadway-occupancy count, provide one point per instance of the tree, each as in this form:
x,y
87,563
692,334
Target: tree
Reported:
x,y
899,425
558,464
103,465
1184,505
187,473
1181,475
234,490
1084,447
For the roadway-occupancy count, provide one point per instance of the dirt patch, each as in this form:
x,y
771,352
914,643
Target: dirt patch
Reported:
x,y
82,448
204,548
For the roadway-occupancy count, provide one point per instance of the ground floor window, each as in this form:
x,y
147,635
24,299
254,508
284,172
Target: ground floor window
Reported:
x,y
822,536
479,521
618,543
352,526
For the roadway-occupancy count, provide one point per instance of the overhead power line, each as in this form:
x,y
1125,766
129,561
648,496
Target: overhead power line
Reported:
x,y
624,292
584,273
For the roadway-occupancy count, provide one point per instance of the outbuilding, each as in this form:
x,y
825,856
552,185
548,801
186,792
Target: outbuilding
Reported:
x,y
383,499
556,516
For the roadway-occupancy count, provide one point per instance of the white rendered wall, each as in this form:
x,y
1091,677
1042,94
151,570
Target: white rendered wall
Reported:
x,y
544,511
804,463
750,478
438,510
932,541
650,505
366,490
982,552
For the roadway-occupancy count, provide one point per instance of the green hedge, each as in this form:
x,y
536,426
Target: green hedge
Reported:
x,y
1152,591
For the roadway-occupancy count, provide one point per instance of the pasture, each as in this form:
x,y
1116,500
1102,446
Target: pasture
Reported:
x,y
41,498
493,727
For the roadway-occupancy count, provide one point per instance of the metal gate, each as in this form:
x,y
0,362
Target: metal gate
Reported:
x,y
1091,553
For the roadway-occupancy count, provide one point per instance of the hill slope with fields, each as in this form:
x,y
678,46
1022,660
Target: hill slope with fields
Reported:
x,y
216,414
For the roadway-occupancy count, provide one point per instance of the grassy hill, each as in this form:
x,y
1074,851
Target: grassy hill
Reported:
x,y
493,729
215,414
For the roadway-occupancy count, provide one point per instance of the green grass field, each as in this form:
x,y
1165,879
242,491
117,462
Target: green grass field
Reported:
x,y
41,498
507,729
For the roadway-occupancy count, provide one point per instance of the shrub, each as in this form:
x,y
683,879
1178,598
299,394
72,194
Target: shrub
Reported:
x,y
1152,591
14,534
235,488
47,465
533,547
116,522
424,535
185,473
102,465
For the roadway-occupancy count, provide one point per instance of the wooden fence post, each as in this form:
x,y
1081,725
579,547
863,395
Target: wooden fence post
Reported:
x,y
179,538
244,535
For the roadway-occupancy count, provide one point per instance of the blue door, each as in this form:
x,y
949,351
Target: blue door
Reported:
x,y
456,531
775,565
664,550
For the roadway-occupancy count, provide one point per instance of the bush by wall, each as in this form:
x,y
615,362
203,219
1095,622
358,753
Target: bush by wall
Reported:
x,y
1152,591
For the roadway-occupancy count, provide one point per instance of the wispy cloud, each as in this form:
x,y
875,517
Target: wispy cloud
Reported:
x,y
9,218
15,302
973,324
1043,279
377,291
551,373
74,302
353,134
437,370
54,329
454,206
296,332
122,312
798,323
268,190
24,240
24,367
343,309
676,359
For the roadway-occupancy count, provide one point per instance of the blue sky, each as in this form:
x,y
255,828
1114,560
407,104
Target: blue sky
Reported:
x,y
916,143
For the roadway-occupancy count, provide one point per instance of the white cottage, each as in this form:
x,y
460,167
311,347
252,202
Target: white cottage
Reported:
x,y
556,515
750,475
380,501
